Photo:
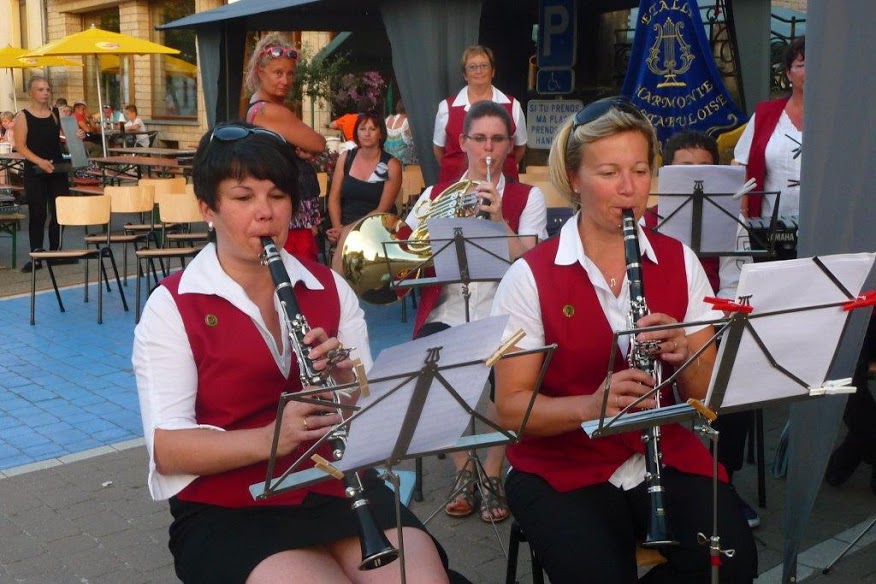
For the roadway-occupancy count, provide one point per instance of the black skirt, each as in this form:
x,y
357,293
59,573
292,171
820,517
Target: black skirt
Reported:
x,y
217,544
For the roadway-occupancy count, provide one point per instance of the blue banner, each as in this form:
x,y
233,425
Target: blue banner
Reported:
x,y
672,76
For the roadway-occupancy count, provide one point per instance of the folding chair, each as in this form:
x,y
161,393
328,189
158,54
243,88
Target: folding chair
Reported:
x,y
172,209
83,212
126,201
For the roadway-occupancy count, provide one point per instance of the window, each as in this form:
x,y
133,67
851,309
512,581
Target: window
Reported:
x,y
175,91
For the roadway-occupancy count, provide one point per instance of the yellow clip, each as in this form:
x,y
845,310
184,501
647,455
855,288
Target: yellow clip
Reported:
x,y
700,407
505,347
361,378
324,465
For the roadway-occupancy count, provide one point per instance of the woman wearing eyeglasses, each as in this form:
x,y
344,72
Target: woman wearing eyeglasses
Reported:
x,y
212,355
583,503
478,70
520,209
770,146
270,75
367,178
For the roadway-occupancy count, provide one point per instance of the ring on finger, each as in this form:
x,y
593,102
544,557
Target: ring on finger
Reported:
x,y
617,401
674,346
304,421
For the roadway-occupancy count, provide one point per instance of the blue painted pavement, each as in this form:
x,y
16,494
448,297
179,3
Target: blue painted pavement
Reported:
x,y
66,384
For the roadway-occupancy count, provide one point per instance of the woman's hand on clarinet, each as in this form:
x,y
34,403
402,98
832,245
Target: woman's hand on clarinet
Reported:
x,y
673,343
303,422
329,354
490,201
627,386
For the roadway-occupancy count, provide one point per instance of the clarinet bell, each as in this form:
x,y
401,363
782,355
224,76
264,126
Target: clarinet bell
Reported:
x,y
376,549
659,532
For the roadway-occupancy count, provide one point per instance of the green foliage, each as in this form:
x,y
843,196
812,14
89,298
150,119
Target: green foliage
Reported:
x,y
318,78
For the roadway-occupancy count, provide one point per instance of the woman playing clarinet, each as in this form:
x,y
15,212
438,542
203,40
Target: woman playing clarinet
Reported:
x,y
584,503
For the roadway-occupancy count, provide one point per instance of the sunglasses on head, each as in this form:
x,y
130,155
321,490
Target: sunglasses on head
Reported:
x,y
599,108
234,133
277,52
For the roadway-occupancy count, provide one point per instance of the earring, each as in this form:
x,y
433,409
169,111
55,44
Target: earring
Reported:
x,y
209,225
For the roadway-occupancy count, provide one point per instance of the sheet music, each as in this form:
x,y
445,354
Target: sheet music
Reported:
x,y
481,235
718,229
802,342
372,436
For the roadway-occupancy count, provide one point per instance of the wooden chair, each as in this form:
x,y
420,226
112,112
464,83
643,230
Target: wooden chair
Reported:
x,y
180,209
645,558
126,201
412,186
83,212
160,186
172,209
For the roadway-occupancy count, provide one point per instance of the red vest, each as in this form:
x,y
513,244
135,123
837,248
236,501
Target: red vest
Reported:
x,y
514,199
239,384
453,163
710,265
766,118
572,460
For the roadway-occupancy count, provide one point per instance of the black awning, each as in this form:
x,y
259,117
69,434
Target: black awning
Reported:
x,y
288,15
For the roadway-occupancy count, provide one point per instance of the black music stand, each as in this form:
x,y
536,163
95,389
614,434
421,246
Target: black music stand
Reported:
x,y
700,211
464,250
834,287
401,417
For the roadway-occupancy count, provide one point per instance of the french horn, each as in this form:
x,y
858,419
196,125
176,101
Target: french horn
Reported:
x,y
370,270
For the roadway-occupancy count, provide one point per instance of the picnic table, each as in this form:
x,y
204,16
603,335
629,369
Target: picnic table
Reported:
x,y
120,168
11,161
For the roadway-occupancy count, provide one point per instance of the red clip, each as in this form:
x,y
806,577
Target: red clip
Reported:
x,y
864,299
728,305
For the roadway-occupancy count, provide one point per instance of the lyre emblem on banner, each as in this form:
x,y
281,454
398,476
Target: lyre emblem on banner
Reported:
x,y
675,49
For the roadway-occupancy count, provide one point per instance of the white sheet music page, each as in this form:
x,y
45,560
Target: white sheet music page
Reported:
x,y
718,229
481,235
802,342
373,436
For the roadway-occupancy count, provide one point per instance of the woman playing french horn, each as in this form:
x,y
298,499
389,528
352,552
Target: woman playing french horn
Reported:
x,y
583,503
212,356
486,142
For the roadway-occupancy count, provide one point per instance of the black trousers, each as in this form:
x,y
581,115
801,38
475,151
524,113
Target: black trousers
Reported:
x,y
590,534
860,413
41,191
734,429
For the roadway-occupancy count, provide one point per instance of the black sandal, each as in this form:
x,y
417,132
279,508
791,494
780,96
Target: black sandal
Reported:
x,y
494,506
465,501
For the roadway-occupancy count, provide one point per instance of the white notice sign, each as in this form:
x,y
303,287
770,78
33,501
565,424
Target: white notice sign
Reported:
x,y
544,117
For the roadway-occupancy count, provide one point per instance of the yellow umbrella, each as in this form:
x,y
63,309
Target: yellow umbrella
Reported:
x,y
111,64
96,41
12,58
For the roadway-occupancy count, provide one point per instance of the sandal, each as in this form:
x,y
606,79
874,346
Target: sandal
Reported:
x,y
494,507
465,501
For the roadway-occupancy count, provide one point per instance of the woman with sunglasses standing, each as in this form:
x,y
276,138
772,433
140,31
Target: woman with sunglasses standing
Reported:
x,y
270,75
478,70
212,356
584,503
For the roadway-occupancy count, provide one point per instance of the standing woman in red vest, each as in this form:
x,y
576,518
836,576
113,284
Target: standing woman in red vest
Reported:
x,y
583,503
485,132
212,355
770,146
478,70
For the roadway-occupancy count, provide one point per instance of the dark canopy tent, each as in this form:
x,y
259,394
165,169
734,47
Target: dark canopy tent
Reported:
x,y
425,76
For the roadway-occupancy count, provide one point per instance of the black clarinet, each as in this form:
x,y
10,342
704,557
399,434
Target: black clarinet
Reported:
x,y
640,356
376,549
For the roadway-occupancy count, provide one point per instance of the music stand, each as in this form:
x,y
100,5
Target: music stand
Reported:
x,y
780,363
706,217
407,411
464,250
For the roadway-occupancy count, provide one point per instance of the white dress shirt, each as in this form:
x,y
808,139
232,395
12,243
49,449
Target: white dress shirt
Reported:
x,y
439,136
167,378
781,164
450,308
517,296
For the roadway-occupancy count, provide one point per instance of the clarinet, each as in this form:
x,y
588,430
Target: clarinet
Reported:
x,y
640,356
376,549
